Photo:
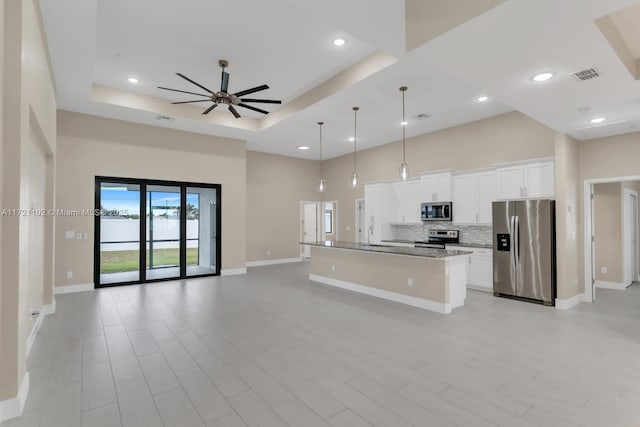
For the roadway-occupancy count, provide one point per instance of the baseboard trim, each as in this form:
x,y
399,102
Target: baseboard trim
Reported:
x,y
567,304
12,408
70,289
44,311
425,304
273,262
611,285
233,271
480,288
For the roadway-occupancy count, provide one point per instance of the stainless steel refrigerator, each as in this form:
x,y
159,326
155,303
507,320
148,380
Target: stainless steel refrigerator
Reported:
x,y
524,255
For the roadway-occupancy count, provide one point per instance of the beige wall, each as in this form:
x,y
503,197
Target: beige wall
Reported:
x,y
28,144
568,218
275,187
508,137
615,156
607,221
89,146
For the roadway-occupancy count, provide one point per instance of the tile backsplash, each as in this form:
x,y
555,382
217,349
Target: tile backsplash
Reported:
x,y
471,234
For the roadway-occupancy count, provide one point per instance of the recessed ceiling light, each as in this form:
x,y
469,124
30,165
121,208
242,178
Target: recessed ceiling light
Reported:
x,y
352,139
133,80
339,41
404,123
482,98
597,120
303,147
543,77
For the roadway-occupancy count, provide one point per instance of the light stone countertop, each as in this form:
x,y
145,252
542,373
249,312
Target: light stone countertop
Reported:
x,y
395,250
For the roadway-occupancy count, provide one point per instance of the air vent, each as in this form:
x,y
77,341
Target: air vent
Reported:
x,y
585,75
164,118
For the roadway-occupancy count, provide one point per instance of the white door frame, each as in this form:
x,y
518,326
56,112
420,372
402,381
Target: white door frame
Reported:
x,y
626,235
589,273
301,221
357,233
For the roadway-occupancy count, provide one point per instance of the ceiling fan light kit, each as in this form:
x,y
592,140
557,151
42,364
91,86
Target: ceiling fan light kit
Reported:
x,y
223,96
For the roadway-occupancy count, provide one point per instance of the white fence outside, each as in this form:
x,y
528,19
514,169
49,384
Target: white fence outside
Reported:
x,y
124,229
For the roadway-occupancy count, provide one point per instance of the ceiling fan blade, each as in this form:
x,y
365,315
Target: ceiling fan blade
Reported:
x,y
197,84
189,102
208,110
252,90
264,101
234,111
252,108
183,91
224,86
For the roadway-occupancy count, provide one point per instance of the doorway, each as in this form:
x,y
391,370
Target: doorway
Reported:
x,y
611,254
330,221
310,225
151,230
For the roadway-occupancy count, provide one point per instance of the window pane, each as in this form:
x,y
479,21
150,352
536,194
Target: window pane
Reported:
x,y
328,222
119,233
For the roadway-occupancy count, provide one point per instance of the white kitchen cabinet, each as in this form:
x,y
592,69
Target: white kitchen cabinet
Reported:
x,y
379,210
479,268
481,272
473,194
436,187
533,180
407,202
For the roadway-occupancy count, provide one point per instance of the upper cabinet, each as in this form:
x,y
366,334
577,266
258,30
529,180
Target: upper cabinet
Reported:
x,y
533,180
408,198
379,210
473,194
436,187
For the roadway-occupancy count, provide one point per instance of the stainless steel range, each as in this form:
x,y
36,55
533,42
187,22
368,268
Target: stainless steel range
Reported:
x,y
437,239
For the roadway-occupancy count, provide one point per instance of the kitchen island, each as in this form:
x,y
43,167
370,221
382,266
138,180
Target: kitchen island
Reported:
x,y
432,279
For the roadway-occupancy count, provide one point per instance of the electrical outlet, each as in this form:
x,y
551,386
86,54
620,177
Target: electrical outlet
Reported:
x,y
69,234
410,281
69,274
604,270
333,267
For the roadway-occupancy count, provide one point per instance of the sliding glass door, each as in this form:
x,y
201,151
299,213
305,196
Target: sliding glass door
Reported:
x,y
178,235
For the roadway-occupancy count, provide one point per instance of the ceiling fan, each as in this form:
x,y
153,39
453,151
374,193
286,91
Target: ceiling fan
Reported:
x,y
223,96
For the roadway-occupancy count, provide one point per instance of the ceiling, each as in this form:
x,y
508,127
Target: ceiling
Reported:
x,y
96,45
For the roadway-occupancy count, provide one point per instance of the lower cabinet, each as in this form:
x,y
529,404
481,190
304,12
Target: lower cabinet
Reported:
x,y
479,269
480,272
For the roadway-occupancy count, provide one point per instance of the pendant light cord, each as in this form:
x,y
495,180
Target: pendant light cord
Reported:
x,y
403,89
355,135
321,172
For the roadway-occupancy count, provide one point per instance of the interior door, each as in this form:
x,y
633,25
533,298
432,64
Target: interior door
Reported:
x,y
504,277
309,226
534,249
360,220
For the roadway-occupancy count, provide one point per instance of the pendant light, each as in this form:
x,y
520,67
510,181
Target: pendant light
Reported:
x,y
404,168
354,175
321,184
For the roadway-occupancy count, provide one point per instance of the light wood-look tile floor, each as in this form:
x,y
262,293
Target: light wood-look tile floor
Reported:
x,y
274,349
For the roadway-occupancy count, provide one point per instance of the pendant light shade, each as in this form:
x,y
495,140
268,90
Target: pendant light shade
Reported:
x,y
321,184
404,168
354,175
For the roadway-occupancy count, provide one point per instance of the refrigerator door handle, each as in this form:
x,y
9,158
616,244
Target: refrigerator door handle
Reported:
x,y
512,229
516,232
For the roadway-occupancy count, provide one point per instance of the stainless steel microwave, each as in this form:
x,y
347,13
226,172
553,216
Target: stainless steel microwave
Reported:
x,y
436,211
